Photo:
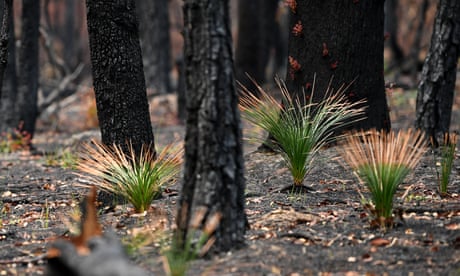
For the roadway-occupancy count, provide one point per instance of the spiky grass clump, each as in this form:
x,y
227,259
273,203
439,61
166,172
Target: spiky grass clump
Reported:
x,y
138,179
382,161
447,160
300,128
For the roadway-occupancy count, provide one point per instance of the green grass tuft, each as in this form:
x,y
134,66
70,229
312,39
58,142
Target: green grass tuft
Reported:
x,y
382,161
139,179
447,160
299,129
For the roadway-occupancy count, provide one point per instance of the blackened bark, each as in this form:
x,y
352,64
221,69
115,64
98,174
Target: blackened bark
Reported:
x,y
7,8
28,66
257,35
4,38
155,43
213,176
250,44
118,76
437,85
343,40
9,117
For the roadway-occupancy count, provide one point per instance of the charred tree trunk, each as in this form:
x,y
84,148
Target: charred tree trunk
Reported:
x,y
70,35
28,66
342,40
213,176
4,39
155,43
437,86
7,8
256,38
118,75
414,66
9,117
391,27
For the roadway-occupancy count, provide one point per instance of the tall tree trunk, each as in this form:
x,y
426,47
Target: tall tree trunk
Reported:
x,y
437,85
69,35
181,91
213,176
155,43
7,8
416,45
9,117
28,66
256,38
391,27
118,75
343,40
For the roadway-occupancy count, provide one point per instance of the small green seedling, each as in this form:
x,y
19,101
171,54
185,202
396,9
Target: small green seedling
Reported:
x,y
447,150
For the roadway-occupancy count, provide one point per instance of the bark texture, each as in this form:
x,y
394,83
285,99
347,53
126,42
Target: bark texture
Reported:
x,y
155,43
7,8
118,76
342,40
9,116
437,85
28,66
213,176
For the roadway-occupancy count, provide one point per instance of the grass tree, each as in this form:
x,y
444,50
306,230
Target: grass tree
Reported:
x,y
298,129
382,160
138,179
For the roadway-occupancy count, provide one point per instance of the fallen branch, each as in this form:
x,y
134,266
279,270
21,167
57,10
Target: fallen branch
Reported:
x,y
53,58
61,91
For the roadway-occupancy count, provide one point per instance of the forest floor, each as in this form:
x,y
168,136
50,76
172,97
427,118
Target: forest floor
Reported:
x,y
322,232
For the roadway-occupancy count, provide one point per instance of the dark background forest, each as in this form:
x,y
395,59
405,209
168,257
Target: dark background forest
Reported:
x,y
65,67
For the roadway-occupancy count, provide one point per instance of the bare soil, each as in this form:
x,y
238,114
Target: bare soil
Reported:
x,y
323,231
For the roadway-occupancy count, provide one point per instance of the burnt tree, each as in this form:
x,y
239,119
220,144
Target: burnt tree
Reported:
x,y
257,36
118,75
155,43
342,40
70,34
28,66
213,176
437,85
8,119
391,29
7,8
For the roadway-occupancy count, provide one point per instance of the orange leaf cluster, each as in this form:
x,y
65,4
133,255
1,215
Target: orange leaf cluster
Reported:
x,y
297,29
